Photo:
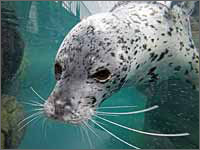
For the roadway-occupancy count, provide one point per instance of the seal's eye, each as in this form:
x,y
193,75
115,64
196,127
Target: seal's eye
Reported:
x,y
102,75
58,71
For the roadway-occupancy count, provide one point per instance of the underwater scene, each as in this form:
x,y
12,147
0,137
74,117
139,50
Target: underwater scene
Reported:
x,y
100,75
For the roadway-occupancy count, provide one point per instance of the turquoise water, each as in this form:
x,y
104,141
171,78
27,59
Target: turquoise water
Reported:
x,y
62,136
43,35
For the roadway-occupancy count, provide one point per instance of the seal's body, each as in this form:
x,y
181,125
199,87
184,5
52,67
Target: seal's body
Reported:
x,y
137,43
163,45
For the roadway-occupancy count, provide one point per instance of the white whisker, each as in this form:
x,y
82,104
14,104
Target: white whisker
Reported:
x,y
143,132
112,107
89,127
86,131
32,104
114,135
101,123
43,127
104,114
36,102
82,132
36,117
129,113
29,117
37,94
39,109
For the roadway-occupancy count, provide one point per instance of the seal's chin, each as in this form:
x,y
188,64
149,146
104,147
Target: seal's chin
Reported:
x,y
79,118
77,121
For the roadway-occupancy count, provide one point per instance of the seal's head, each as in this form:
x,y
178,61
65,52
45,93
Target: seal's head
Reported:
x,y
89,67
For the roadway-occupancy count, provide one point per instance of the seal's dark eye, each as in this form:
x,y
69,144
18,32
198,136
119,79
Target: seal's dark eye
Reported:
x,y
58,71
102,75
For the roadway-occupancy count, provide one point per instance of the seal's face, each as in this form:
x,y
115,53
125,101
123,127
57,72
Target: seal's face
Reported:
x,y
88,68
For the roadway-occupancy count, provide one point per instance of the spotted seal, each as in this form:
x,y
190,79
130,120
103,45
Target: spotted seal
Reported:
x,y
136,43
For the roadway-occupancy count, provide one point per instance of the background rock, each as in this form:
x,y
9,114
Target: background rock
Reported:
x,y
12,45
11,114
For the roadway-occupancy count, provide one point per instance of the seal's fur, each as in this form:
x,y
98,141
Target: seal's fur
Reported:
x,y
138,43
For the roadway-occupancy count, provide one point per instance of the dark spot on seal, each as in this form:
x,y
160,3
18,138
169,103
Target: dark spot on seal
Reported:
x,y
132,41
151,70
135,52
169,33
136,30
112,54
163,34
192,46
108,86
171,29
137,66
177,68
124,68
186,72
104,95
163,54
170,64
153,56
108,43
141,79
158,21
123,79
122,57
187,49
144,46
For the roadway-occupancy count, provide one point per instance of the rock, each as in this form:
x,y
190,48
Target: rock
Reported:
x,y
12,45
11,113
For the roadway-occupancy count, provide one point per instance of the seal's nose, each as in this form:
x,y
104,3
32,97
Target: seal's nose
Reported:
x,y
59,109
62,107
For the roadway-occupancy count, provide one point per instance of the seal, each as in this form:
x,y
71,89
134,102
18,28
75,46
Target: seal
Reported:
x,y
136,43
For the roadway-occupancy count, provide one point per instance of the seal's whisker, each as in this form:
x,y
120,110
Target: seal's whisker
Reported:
x,y
87,134
143,132
36,117
114,135
82,132
100,123
33,115
129,113
36,102
113,107
86,131
103,114
37,94
32,104
43,127
39,109
90,128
